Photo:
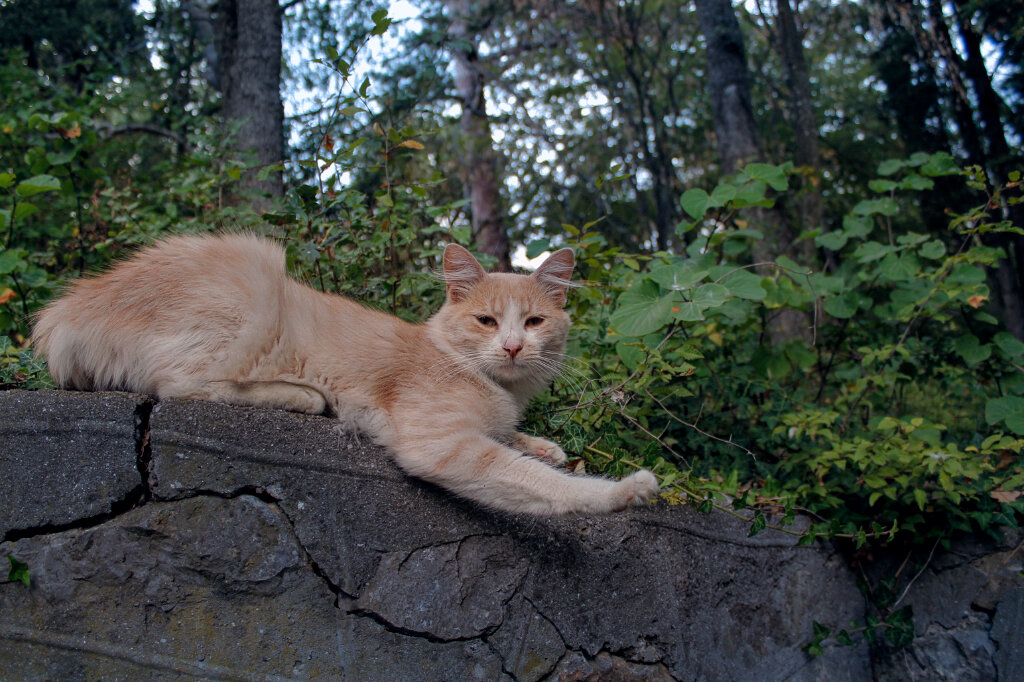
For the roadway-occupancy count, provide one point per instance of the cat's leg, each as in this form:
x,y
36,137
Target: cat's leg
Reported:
x,y
539,447
479,468
281,395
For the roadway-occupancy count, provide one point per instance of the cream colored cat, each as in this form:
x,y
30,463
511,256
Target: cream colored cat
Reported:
x,y
217,318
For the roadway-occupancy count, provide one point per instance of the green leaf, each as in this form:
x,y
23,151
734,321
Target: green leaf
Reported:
x,y
881,185
773,175
971,350
898,268
6,180
1008,344
1009,409
18,571
757,525
36,185
642,310
722,195
678,276
688,311
889,167
832,240
630,353
695,201
744,284
871,251
934,250
24,210
921,497
710,295
9,260
916,182
750,193
940,163
537,247
857,226
884,206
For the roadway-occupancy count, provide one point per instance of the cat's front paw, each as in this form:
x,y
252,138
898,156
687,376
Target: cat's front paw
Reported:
x,y
540,447
637,488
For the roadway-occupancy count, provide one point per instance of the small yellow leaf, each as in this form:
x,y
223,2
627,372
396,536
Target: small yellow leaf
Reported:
x,y
6,295
977,300
72,132
411,144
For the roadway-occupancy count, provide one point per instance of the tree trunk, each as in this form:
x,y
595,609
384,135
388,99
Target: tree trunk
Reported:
x,y
248,41
729,85
805,130
739,143
1008,275
480,160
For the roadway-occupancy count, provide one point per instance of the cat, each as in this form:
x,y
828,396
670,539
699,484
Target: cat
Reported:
x,y
217,318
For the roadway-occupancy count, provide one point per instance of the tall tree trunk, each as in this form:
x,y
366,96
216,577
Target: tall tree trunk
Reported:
x,y
480,160
248,41
729,85
1009,274
739,143
805,130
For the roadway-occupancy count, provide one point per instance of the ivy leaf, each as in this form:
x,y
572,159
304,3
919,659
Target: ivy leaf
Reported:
x,y
757,525
36,185
18,571
642,310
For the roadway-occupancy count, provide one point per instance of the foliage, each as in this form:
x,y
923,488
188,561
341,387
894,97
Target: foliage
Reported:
x,y
18,571
871,423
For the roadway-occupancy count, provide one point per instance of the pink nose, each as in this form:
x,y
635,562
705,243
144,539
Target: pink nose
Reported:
x,y
513,350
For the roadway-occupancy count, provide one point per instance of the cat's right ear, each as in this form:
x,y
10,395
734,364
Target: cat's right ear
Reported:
x,y
461,272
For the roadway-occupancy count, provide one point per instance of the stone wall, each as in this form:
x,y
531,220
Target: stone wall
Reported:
x,y
180,540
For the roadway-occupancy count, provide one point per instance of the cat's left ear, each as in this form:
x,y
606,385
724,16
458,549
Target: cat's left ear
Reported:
x,y
461,272
555,273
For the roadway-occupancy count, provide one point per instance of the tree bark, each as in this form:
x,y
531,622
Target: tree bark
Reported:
x,y
480,160
805,130
248,42
739,143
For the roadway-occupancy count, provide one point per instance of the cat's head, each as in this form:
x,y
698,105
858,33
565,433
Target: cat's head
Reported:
x,y
509,327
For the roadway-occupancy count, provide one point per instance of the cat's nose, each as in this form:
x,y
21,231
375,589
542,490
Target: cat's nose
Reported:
x,y
513,350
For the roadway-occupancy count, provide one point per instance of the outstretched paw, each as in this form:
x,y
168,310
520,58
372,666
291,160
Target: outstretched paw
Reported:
x,y
539,447
637,488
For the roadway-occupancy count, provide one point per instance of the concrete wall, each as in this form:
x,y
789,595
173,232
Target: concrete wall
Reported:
x,y
180,540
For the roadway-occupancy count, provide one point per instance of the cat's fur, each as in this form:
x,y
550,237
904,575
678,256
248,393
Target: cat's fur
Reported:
x,y
217,318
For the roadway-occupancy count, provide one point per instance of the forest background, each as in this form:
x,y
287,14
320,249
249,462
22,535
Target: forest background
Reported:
x,y
798,224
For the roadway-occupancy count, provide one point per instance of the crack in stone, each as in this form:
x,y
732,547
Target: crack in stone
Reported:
x,y
135,498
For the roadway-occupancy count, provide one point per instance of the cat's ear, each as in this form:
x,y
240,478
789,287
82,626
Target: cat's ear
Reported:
x,y
461,272
555,273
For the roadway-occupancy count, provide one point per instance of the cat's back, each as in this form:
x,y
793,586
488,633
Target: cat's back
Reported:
x,y
183,292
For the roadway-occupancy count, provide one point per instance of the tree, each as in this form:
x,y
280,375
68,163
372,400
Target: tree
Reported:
x,y
480,165
248,74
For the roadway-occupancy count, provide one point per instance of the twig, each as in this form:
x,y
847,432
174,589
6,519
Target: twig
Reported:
x,y
912,580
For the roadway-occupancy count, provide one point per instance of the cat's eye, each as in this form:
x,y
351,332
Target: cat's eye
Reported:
x,y
487,321
534,321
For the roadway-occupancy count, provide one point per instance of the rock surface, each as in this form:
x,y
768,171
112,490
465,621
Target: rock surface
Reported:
x,y
183,540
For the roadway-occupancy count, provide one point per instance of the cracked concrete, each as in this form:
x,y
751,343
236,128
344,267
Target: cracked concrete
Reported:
x,y
184,540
